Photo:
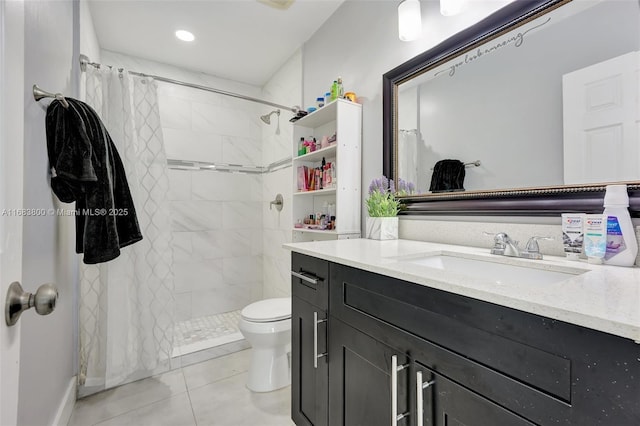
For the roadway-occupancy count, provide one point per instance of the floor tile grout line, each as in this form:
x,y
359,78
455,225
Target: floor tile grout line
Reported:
x,y
193,412
217,380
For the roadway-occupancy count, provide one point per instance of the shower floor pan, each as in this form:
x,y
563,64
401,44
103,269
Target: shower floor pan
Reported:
x,y
201,333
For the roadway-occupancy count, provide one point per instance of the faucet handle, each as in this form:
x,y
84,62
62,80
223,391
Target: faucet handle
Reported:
x,y
500,240
532,244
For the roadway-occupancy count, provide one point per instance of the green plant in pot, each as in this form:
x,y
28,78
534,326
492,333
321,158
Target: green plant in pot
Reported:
x,y
383,207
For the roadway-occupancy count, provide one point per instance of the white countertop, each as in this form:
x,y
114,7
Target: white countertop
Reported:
x,y
605,298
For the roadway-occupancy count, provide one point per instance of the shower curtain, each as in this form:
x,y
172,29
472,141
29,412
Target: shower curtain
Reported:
x,y
408,156
126,305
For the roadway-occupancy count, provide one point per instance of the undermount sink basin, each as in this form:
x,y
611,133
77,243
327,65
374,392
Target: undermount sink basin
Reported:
x,y
490,270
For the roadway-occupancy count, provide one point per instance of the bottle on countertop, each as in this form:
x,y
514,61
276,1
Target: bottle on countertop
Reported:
x,y
327,97
340,88
622,247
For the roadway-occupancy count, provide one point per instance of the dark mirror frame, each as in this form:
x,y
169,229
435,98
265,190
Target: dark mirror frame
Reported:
x,y
547,201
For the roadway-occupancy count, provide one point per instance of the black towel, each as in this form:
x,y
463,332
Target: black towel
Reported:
x,y
448,176
86,168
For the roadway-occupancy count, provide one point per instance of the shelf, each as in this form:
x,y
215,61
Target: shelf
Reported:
x,y
327,191
317,231
317,155
323,115
344,118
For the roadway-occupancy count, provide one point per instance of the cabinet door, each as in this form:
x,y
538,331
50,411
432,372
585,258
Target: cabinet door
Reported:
x,y
442,402
363,388
309,368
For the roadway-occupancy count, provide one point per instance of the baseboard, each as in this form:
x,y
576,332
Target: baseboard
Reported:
x,y
66,405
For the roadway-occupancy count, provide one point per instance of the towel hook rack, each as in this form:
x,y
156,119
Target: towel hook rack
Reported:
x,y
38,94
476,163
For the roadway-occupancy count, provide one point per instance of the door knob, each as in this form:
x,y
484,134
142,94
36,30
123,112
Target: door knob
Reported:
x,y
18,301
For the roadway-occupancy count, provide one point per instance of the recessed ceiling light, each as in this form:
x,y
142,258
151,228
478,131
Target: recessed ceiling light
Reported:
x,y
185,35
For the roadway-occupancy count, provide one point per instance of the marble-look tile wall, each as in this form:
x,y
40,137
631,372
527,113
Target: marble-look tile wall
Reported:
x,y
285,87
217,216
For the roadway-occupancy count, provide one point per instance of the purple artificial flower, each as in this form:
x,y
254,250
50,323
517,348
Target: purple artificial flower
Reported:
x,y
380,185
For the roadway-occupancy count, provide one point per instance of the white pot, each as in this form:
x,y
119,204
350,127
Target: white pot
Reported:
x,y
382,228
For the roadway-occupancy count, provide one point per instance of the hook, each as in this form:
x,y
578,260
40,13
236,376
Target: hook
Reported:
x,y
38,94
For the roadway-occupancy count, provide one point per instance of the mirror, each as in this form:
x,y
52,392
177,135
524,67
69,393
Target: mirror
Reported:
x,y
533,108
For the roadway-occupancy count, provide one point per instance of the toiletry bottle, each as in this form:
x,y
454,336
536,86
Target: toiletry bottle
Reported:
x,y
327,98
301,148
334,90
340,88
622,247
572,234
595,237
334,175
319,102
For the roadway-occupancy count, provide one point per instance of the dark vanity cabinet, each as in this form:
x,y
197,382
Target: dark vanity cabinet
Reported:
x,y
428,357
309,367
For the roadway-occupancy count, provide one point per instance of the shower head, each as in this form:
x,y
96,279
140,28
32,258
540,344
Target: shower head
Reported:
x,y
267,117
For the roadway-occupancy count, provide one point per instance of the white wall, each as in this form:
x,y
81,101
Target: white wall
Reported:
x,y
88,39
217,216
47,360
360,43
285,88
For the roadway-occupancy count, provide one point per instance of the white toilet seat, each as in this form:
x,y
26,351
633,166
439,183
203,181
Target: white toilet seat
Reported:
x,y
268,310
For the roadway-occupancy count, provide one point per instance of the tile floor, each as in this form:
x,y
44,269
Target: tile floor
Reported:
x,y
209,393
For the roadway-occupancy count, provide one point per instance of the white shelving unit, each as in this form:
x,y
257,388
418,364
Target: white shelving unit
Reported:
x,y
344,118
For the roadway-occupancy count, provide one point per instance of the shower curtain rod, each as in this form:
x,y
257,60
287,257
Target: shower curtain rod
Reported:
x,y
84,61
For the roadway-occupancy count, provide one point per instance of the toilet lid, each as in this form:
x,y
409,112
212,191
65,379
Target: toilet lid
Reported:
x,y
268,310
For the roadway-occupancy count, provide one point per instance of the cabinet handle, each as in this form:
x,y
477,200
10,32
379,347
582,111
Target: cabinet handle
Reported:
x,y
316,355
419,397
395,417
303,277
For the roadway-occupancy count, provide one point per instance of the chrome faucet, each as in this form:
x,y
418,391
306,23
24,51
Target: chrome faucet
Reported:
x,y
503,245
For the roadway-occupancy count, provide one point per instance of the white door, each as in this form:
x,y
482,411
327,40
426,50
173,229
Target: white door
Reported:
x,y
11,165
601,120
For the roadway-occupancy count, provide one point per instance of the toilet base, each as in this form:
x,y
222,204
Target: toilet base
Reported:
x,y
269,369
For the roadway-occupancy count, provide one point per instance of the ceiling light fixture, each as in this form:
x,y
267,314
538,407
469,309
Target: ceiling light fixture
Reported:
x,y
185,35
452,7
409,20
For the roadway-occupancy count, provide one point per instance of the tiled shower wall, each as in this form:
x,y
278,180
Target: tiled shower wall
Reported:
x,y
217,216
283,88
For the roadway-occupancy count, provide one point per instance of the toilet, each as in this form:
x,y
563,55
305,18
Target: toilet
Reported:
x,y
267,327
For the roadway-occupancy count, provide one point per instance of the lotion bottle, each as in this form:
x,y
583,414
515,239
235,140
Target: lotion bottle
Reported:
x,y
622,247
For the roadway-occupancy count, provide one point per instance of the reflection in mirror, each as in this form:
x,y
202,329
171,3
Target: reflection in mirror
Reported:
x,y
551,102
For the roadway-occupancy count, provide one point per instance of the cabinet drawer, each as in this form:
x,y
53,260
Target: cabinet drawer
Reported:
x,y
310,279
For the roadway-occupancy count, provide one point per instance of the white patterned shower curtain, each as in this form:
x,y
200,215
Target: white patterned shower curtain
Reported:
x,y
126,305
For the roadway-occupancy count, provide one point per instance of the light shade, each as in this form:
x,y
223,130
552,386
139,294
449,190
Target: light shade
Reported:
x,y
185,35
452,7
409,20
